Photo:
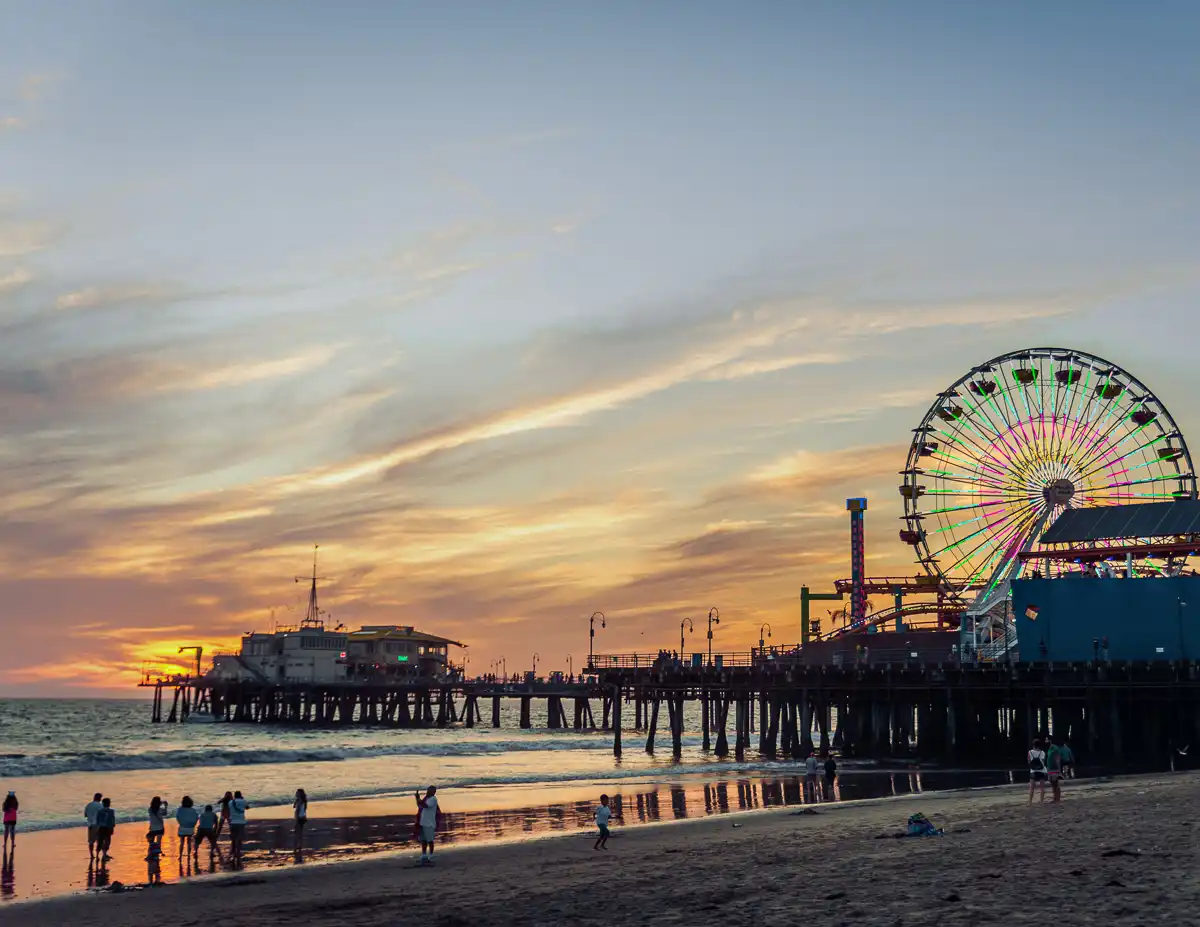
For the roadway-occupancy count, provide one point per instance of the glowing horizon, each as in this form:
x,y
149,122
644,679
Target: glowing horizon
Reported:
x,y
610,316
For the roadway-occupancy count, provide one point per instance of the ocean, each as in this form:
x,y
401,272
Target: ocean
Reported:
x,y
57,753
494,785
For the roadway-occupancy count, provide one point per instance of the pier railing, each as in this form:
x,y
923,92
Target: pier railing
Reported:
x,y
754,657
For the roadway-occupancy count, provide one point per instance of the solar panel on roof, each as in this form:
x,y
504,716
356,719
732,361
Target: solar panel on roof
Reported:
x,y
1146,520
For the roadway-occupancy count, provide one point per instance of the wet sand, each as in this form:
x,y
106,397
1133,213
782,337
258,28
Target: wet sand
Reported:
x,y
1000,862
54,862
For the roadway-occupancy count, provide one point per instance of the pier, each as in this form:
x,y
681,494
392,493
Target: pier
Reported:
x,y
411,704
1118,715
1115,714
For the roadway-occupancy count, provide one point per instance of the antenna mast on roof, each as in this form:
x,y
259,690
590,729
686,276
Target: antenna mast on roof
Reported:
x,y
313,618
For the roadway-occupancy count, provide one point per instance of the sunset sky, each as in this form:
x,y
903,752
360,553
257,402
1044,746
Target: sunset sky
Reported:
x,y
527,310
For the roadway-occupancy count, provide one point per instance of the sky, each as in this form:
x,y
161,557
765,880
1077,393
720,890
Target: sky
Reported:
x,y
525,311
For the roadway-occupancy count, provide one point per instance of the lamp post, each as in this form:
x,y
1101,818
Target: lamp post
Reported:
x,y
690,627
503,663
592,633
713,618
761,642
570,667
536,657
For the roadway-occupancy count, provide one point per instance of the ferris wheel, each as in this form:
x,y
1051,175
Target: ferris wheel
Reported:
x,y
1009,446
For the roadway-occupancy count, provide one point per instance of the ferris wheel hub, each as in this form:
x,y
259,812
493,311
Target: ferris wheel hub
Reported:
x,y
1060,492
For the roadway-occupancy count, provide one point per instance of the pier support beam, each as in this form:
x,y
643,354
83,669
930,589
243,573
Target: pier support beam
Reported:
x,y
616,699
652,726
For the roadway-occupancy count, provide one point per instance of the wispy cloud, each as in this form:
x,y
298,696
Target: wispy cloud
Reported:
x,y
233,375
18,238
736,353
94,297
14,279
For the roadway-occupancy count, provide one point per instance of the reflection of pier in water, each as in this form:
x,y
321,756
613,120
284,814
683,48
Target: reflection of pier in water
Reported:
x,y
642,803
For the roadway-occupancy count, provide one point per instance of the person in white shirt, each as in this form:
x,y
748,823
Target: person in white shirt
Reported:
x,y
603,816
237,823
92,814
812,769
1037,769
428,813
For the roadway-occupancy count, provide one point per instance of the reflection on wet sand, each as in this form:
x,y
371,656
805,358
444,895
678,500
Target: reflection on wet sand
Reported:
x,y
54,861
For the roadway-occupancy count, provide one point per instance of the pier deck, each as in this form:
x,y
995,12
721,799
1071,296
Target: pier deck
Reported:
x,y
1116,714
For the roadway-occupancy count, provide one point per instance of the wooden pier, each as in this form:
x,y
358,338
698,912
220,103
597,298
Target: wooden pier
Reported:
x,y
419,703
1118,715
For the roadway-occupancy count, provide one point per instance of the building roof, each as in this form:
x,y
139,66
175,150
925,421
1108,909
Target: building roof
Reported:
x,y
397,633
1113,522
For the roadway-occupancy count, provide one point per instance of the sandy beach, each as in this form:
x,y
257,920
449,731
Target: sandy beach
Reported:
x,y
1118,852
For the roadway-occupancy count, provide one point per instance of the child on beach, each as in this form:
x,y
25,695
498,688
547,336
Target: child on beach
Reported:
x,y
106,823
206,829
11,806
603,816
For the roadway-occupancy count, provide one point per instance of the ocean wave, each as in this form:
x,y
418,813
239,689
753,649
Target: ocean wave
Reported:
x,y
18,765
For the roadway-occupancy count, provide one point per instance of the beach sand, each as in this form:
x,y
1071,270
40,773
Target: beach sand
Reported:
x,y
1001,861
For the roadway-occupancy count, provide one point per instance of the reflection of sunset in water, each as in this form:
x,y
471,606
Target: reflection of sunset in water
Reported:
x,y
54,861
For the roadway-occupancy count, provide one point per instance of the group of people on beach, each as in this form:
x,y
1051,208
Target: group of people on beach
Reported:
x,y
1049,761
195,825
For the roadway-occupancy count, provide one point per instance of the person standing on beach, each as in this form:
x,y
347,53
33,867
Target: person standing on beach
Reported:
x,y
224,819
830,775
1054,767
1037,769
428,813
300,805
158,824
237,823
91,814
812,769
187,816
11,807
1068,761
106,823
206,829
603,816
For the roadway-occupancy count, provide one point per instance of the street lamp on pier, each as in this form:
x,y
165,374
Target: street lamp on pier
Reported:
x,y
690,627
536,657
713,618
592,633
761,642
570,667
